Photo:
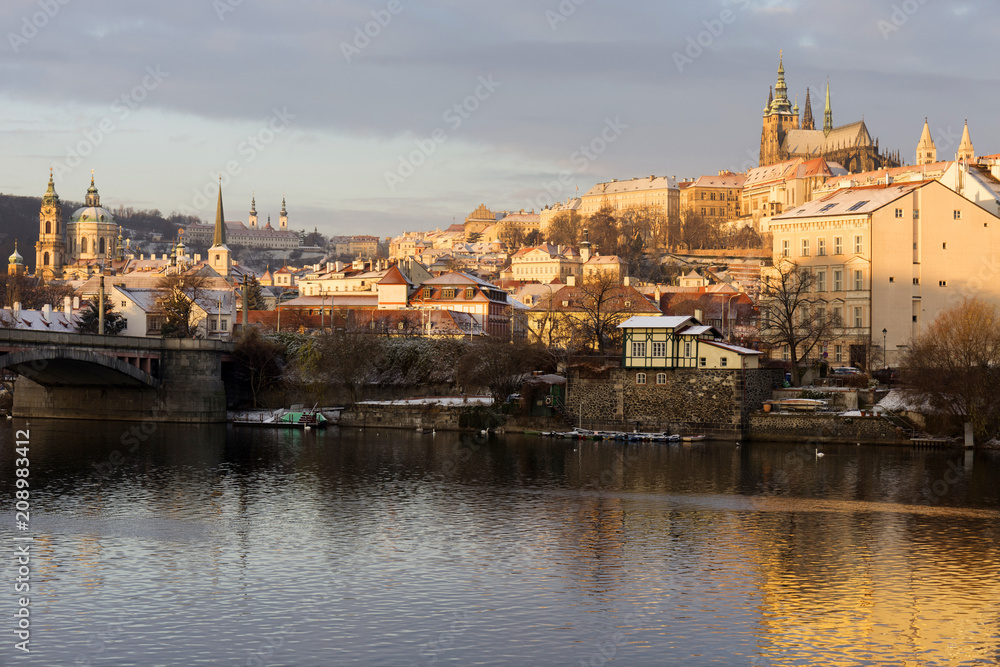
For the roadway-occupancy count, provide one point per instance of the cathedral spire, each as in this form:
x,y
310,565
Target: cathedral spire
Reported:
x,y
781,103
965,149
219,239
807,115
93,198
926,151
827,112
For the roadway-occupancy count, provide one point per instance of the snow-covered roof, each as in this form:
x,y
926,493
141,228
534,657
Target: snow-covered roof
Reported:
x,y
656,322
732,348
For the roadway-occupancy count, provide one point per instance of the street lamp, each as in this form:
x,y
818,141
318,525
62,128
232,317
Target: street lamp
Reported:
x,y
884,332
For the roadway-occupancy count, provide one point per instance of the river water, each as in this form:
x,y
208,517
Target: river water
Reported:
x,y
247,546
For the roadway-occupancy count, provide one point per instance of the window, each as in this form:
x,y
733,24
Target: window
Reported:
x,y
661,378
944,246
124,305
957,214
470,292
899,213
805,247
821,281
821,248
712,197
687,348
426,293
858,245
835,316
916,213
703,362
942,283
838,280
826,208
838,353
785,356
225,324
638,349
723,362
659,349
858,319
838,245
785,248
916,281
859,280
891,279
858,205
640,378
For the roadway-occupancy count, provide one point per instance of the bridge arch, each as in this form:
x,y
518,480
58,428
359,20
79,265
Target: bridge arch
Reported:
x,y
54,367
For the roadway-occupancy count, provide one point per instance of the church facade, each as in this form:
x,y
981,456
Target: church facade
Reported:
x,y
784,136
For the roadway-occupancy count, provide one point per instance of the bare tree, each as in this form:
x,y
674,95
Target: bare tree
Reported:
x,y
497,365
955,366
259,361
600,303
343,357
791,314
565,228
511,236
177,294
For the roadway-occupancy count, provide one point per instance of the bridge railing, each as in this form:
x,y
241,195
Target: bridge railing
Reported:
x,y
29,338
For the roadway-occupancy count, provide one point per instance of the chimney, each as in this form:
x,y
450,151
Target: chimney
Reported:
x,y
17,309
68,307
698,315
197,257
142,256
571,280
76,303
164,257
47,312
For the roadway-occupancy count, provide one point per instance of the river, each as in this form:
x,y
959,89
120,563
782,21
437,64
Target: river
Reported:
x,y
214,545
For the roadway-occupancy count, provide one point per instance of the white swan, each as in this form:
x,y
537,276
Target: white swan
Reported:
x,y
819,453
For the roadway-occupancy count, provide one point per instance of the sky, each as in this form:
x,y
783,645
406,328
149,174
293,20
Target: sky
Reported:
x,y
390,115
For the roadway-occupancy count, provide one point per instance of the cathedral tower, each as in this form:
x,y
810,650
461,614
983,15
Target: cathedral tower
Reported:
x,y
827,112
283,216
253,212
965,149
50,251
926,151
807,116
779,118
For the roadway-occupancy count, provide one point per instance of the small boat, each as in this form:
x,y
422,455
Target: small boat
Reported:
x,y
652,437
802,404
307,419
692,438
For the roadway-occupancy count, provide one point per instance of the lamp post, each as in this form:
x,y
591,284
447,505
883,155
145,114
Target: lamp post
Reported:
x,y
884,333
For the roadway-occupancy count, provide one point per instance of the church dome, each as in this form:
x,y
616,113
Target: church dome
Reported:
x,y
16,257
92,214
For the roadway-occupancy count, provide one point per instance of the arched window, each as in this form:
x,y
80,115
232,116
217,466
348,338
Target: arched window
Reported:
x,y
83,244
45,259
102,247
48,227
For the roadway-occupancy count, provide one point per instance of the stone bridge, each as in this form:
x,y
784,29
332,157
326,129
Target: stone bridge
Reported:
x,y
81,376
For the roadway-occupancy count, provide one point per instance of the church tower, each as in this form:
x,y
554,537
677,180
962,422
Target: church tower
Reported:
x,y
219,254
50,251
253,212
807,116
283,216
965,149
926,150
827,112
779,118
15,263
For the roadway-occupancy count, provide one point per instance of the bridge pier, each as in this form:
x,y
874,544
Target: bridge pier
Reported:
x,y
75,376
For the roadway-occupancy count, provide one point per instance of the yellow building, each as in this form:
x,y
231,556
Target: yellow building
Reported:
x,y
658,192
715,198
546,214
545,263
667,342
773,189
890,258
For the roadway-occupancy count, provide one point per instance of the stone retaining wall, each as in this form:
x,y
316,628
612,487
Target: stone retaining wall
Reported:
x,y
821,428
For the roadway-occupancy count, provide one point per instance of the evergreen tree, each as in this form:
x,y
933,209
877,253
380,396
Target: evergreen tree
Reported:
x,y
114,323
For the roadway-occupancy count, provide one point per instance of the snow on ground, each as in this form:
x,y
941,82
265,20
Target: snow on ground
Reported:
x,y
436,400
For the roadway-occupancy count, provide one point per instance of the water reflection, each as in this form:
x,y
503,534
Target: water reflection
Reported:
x,y
255,546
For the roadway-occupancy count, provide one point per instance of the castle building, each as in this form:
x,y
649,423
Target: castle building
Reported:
x,y
50,251
784,137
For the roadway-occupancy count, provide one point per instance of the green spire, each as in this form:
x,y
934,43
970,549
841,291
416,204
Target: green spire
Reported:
x,y
827,111
51,197
220,221
781,103
93,199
